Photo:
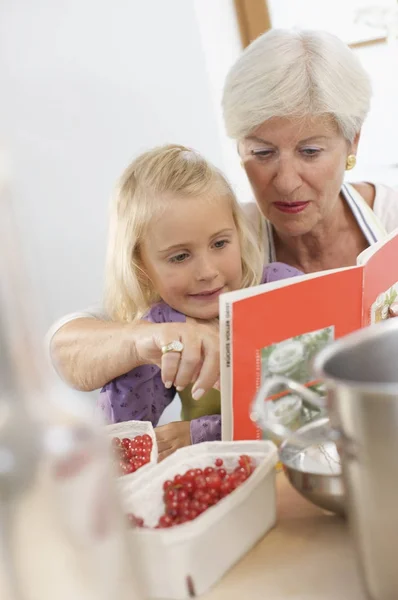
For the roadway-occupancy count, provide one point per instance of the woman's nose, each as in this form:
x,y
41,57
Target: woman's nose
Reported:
x,y
287,178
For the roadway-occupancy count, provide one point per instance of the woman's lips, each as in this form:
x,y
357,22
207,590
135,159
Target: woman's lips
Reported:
x,y
291,207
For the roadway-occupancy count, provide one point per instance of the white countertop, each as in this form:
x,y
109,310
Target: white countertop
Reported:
x,y
307,556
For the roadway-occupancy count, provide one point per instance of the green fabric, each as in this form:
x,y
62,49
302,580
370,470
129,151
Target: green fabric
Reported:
x,y
209,404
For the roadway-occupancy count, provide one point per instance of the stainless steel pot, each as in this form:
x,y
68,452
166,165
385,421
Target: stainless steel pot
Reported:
x,y
309,455
315,469
361,376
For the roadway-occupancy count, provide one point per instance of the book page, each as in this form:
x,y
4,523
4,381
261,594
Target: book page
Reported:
x,y
226,309
380,283
277,330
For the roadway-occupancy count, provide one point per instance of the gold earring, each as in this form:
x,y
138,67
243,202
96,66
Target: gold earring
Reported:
x,y
350,162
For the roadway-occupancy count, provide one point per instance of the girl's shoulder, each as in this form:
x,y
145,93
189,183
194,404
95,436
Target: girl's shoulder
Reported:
x,y
163,313
276,271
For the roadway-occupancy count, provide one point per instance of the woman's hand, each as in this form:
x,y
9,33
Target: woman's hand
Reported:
x,y
172,436
198,363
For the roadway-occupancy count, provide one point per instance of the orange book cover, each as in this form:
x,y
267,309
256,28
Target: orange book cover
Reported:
x,y
277,328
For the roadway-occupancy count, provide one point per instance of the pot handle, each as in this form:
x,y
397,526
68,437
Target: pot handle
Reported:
x,y
259,413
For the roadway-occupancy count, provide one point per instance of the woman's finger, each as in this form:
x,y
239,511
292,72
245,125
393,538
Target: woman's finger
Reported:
x,y
210,371
190,360
169,367
169,361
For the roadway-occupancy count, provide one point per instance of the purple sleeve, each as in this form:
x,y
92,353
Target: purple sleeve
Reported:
x,y
163,313
277,270
140,394
206,429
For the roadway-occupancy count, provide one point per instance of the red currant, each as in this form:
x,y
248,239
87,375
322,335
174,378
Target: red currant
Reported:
x,y
192,493
222,473
132,454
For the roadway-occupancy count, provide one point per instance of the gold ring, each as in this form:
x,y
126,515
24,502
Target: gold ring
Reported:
x,y
174,346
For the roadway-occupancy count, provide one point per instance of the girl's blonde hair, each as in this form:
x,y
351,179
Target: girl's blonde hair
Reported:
x,y
143,190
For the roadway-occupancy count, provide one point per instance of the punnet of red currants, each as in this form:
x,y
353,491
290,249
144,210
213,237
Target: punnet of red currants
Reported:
x,y
190,494
132,454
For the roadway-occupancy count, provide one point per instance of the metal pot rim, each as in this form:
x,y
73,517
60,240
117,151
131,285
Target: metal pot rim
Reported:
x,y
349,342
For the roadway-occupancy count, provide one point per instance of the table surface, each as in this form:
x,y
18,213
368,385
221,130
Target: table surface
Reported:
x,y
307,556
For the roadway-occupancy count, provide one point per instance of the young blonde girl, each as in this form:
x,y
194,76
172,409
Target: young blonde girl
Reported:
x,y
177,240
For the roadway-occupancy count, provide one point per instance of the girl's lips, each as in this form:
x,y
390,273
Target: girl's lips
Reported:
x,y
207,295
291,207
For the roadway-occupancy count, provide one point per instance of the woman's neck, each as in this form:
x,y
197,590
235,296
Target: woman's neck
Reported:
x,y
334,243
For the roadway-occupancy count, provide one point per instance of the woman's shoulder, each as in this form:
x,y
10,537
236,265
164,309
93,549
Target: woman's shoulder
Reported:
x,y
367,191
373,193
163,313
383,199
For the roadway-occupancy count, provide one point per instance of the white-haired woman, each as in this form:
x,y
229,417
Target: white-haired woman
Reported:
x,y
295,102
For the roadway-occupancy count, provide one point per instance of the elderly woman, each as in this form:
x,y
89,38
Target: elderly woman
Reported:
x,y
295,102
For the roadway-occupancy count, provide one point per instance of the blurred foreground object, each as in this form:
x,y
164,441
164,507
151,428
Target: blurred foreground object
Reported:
x,y
62,533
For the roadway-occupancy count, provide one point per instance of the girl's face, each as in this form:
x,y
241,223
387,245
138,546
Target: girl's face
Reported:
x,y
191,253
296,168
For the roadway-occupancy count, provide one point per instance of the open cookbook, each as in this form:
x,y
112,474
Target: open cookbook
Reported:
x,y
277,328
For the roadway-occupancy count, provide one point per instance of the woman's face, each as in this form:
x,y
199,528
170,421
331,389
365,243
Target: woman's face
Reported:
x,y
296,168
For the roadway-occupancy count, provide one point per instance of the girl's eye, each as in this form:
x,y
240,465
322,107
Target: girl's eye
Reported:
x,y
221,243
311,152
178,258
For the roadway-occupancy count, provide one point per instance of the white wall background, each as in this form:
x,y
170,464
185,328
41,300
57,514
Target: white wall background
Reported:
x,y
85,86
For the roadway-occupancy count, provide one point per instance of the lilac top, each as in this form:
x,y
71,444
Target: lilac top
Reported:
x,y
141,395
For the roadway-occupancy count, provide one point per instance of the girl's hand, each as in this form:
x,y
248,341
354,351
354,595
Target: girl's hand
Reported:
x,y
198,363
172,436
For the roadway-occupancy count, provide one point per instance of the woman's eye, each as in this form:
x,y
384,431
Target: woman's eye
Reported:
x,y
311,151
261,154
221,243
178,258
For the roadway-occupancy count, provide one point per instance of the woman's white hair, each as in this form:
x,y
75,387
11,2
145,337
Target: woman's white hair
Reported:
x,y
290,73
